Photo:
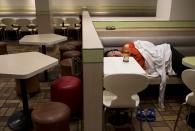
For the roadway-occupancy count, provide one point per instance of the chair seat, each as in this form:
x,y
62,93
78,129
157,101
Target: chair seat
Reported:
x,y
109,98
51,116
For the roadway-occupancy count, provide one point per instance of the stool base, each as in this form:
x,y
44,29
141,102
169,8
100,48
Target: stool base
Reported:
x,y
17,122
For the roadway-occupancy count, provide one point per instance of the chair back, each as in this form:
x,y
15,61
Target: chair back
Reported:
x,y
8,22
23,23
72,22
34,21
188,77
124,86
57,22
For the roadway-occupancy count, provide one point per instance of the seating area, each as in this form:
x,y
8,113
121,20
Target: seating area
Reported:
x,y
10,102
105,65
184,44
16,28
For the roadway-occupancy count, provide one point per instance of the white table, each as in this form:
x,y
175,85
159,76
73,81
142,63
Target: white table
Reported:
x,y
22,66
189,61
115,65
43,40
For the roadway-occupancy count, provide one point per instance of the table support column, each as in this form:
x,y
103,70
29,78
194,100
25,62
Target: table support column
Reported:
x,y
26,111
44,52
21,120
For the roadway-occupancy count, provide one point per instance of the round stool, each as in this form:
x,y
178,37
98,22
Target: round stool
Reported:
x,y
66,47
51,116
71,54
66,67
77,44
67,89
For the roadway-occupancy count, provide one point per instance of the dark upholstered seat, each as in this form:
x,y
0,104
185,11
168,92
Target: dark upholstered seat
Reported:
x,y
71,54
51,116
66,67
68,90
65,48
77,44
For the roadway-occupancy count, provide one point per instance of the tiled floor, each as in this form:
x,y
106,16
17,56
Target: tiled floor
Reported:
x,y
10,102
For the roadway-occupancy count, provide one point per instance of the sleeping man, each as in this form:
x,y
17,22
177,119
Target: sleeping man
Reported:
x,y
156,60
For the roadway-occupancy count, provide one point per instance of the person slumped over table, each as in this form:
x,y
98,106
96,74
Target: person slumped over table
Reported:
x,y
156,60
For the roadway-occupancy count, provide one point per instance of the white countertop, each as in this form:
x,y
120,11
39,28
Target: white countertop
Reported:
x,y
25,65
115,65
42,39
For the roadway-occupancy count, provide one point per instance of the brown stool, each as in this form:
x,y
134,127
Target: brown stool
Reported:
x,y
33,85
66,67
76,43
51,116
3,48
65,48
71,54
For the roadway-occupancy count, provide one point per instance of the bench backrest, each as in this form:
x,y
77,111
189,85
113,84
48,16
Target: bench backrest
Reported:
x,y
184,44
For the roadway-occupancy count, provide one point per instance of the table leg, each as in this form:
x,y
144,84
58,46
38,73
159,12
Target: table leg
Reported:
x,y
44,52
26,111
21,120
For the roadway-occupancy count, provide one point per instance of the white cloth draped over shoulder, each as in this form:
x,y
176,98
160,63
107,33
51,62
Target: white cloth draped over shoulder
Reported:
x,y
158,61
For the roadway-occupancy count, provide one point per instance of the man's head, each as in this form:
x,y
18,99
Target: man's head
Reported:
x,y
114,52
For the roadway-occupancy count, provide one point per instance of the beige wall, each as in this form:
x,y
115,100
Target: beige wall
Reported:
x,y
9,5
131,7
175,9
183,10
163,9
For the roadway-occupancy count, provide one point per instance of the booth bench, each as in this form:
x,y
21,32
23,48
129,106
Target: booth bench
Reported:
x,y
184,44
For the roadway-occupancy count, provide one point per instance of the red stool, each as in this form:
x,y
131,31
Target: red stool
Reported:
x,y
3,48
67,89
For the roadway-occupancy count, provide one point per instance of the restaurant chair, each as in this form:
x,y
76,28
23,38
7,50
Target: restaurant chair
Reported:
x,y
78,30
58,24
121,91
34,21
33,25
2,31
188,76
23,27
72,22
9,22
